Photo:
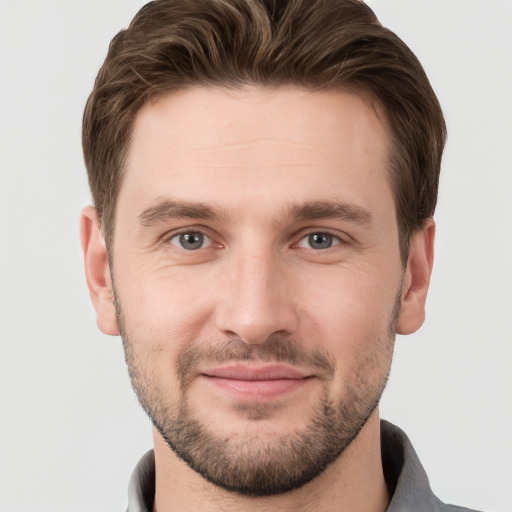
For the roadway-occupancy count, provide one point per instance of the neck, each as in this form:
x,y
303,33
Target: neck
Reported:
x,y
354,481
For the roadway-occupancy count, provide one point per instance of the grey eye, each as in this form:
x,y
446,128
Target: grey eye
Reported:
x,y
319,241
190,241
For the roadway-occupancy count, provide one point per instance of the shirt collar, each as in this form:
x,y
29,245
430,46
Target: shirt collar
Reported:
x,y
405,477
141,489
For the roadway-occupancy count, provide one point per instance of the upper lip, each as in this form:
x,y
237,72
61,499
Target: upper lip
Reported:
x,y
246,372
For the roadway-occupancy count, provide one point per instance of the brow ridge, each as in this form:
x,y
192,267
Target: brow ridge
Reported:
x,y
331,210
168,209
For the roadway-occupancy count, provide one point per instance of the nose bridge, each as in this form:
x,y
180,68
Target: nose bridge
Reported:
x,y
258,302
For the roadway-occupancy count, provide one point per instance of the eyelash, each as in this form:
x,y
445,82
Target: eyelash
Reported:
x,y
335,240
189,233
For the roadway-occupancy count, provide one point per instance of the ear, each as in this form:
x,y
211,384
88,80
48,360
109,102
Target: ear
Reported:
x,y
417,279
97,271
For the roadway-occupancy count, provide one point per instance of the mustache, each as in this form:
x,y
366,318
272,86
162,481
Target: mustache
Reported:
x,y
276,350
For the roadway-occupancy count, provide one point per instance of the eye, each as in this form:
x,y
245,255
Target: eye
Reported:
x,y
191,240
319,241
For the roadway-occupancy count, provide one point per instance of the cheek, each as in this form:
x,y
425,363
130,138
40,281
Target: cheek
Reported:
x,y
156,331
163,308
350,315
171,323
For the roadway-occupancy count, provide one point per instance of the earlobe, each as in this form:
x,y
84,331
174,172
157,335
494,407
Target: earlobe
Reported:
x,y
97,271
417,279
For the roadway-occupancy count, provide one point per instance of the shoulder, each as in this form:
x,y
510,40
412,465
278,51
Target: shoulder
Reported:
x,y
454,508
406,479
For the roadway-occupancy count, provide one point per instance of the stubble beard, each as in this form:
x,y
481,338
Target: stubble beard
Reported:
x,y
262,465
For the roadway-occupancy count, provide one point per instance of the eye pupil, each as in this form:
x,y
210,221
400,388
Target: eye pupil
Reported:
x,y
320,240
191,241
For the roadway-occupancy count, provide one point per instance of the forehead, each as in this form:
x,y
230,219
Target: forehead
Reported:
x,y
257,144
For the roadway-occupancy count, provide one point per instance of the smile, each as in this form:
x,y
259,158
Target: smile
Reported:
x,y
257,383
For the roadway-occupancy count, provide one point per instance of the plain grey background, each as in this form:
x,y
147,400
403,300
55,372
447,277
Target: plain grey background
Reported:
x,y
70,427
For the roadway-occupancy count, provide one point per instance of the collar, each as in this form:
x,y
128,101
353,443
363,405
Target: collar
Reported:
x,y
405,477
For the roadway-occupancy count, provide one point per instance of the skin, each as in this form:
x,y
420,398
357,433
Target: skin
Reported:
x,y
256,157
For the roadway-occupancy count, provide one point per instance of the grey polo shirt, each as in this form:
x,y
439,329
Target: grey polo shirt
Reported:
x,y
406,479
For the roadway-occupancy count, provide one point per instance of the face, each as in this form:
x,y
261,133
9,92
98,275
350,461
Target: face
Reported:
x,y
257,278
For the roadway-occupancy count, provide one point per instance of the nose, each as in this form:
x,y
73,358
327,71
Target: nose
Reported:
x,y
257,298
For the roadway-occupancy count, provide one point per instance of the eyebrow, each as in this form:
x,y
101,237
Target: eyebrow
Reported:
x,y
331,210
167,209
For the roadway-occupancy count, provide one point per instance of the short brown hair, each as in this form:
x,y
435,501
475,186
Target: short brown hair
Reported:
x,y
316,44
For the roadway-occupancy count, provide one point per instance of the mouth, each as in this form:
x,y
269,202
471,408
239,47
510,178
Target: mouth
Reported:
x,y
256,383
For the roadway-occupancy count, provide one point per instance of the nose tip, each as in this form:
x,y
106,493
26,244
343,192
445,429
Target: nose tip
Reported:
x,y
251,328
258,305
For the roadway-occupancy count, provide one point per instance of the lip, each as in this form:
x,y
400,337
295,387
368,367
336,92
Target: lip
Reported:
x,y
257,383
251,373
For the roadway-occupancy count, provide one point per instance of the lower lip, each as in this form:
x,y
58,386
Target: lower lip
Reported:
x,y
257,389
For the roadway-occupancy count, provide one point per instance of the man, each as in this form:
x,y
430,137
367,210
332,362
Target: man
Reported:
x,y
264,176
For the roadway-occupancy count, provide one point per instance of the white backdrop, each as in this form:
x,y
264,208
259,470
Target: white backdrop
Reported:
x,y
70,427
